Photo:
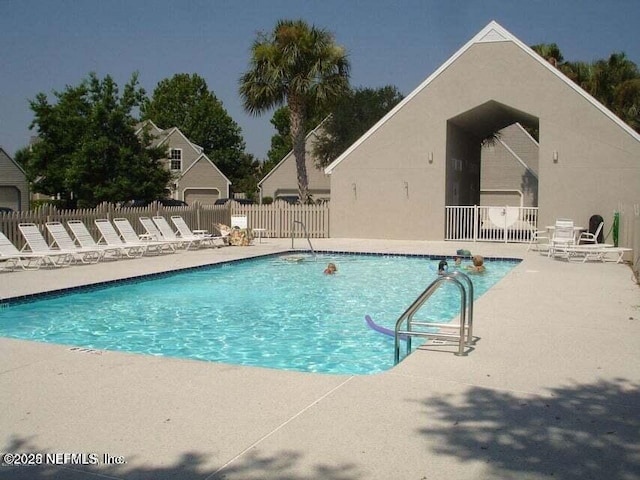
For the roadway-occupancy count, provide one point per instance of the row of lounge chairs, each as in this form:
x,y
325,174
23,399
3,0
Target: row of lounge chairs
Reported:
x,y
117,240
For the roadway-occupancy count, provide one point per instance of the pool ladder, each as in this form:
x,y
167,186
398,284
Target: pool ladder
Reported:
x,y
306,234
462,332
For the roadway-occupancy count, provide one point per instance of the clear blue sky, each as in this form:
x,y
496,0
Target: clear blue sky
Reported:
x,y
48,44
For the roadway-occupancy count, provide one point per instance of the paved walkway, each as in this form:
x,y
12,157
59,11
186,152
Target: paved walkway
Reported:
x,y
552,390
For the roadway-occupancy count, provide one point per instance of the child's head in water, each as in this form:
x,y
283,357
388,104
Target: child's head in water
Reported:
x,y
442,267
478,264
331,269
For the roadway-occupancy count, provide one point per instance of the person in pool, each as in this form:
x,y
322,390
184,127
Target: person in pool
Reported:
x,y
442,267
458,261
478,264
331,269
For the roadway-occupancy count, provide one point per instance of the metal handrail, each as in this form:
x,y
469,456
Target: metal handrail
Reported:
x,y
415,306
458,273
306,233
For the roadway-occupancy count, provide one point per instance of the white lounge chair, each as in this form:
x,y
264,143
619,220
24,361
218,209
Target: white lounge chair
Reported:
x,y
86,240
130,237
63,241
111,238
11,257
185,232
168,233
154,234
37,244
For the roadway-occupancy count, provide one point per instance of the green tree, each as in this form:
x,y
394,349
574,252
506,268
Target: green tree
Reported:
x,y
87,150
249,174
550,52
351,116
300,66
281,141
614,81
185,101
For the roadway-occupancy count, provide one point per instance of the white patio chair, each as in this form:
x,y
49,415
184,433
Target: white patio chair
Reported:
x,y
539,238
63,241
185,232
586,237
11,257
130,237
85,239
154,234
37,244
167,232
563,237
111,238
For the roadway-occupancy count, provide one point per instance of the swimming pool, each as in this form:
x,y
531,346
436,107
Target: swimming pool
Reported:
x,y
267,311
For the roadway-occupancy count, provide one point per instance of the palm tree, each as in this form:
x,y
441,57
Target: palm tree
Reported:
x,y
550,52
300,66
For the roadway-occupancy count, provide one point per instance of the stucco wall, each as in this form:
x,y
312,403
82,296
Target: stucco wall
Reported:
x,y
598,162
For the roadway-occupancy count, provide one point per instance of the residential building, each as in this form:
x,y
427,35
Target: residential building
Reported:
x,y
195,176
14,188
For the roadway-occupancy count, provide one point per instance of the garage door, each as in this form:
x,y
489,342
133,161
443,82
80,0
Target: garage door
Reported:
x,y
205,196
10,197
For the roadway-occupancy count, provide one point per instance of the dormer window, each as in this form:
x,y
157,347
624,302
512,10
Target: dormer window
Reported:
x,y
175,158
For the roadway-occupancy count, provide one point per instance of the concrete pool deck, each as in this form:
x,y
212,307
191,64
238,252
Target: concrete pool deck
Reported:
x,y
551,390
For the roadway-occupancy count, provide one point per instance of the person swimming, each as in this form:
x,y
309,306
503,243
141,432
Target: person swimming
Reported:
x,y
442,267
331,269
478,264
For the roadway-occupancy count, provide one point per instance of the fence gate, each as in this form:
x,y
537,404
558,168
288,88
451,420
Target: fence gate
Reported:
x,y
490,223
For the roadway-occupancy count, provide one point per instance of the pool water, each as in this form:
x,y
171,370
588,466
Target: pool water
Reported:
x,y
269,312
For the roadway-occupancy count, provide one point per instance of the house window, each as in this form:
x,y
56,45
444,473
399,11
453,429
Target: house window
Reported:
x,y
175,157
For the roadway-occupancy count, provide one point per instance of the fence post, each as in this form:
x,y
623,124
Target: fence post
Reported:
x,y
475,223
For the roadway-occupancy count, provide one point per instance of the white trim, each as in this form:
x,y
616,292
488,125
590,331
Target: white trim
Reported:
x,y
493,32
171,159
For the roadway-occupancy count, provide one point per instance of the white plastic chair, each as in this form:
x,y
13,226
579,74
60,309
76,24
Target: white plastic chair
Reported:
x,y
563,236
586,237
85,240
12,257
185,232
538,238
129,235
167,232
111,238
37,244
63,241
155,234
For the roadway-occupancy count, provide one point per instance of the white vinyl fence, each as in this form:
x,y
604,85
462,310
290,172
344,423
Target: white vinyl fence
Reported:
x,y
490,224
